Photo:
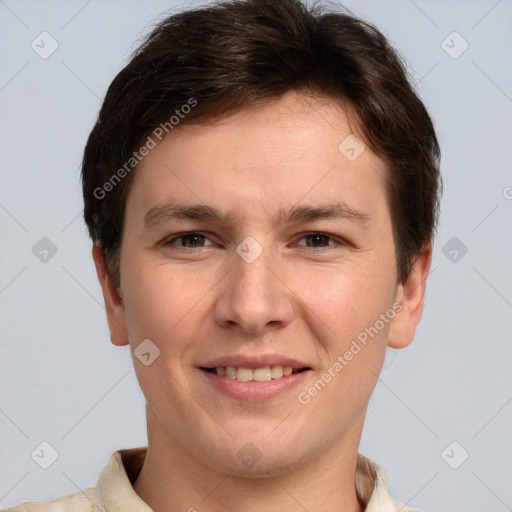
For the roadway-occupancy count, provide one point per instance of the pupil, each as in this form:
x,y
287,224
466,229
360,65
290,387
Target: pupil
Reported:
x,y
317,238
190,237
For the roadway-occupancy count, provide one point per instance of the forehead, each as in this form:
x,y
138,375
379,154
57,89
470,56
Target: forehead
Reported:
x,y
261,159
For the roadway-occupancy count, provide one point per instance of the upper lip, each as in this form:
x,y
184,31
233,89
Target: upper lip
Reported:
x,y
260,361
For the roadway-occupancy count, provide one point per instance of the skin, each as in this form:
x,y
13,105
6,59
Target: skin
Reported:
x,y
204,301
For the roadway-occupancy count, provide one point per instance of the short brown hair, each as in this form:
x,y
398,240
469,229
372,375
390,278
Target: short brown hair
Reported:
x,y
235,54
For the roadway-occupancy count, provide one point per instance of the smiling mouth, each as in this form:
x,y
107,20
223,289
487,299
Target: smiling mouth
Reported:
x,y
262,374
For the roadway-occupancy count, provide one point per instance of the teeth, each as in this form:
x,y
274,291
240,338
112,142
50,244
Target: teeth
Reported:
x,y
261,374
258,374
244,374
277,372
231,372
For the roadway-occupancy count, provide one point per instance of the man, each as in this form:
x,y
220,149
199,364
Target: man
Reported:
x,y
261,188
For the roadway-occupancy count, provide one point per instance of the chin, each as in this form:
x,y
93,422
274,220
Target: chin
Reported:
x,y
256,458
263,468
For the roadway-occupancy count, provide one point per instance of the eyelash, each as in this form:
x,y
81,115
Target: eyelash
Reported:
x,y
169,241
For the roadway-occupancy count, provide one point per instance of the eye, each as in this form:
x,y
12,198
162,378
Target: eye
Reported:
x,y
197,240
317,240
189,240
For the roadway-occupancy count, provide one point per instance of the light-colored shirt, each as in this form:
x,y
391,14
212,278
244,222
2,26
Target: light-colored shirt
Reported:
x,y
114,491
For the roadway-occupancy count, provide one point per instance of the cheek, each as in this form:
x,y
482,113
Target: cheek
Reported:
x,y
170,305
345,316
342,303
159,299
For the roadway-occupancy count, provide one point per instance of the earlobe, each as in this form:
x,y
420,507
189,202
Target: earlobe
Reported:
x,y
113,304
411,295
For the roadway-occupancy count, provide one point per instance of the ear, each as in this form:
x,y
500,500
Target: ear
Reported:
x,y
113,303
410,294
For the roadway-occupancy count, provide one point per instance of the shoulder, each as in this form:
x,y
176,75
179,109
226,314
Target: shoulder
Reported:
x,y
372,486
113,490
76,502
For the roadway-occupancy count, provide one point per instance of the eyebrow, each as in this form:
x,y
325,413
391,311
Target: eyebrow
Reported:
x,y
295,214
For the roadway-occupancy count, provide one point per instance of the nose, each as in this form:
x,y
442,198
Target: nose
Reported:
x,y
253,297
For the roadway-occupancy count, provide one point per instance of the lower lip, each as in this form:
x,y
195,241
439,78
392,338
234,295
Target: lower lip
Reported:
x,y
254,391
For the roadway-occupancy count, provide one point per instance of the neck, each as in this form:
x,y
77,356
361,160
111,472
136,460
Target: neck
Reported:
x,y
173,479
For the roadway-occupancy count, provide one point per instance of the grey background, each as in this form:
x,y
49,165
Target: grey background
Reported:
x,y
62,381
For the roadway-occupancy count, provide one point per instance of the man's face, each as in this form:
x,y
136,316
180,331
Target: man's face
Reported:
x,y
261,288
